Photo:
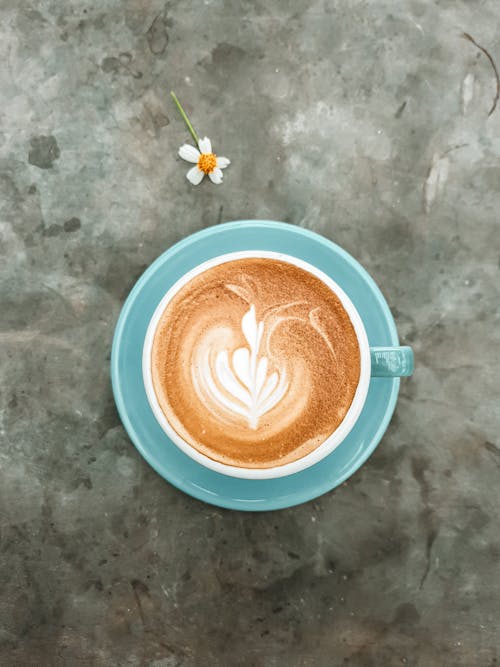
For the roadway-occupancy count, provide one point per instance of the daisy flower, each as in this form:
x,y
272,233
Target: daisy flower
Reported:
x,y
205,161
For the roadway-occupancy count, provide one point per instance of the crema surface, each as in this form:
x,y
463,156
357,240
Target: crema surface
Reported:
x,y
255,362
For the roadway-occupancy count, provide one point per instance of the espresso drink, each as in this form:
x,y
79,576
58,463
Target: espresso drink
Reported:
x,y
255,362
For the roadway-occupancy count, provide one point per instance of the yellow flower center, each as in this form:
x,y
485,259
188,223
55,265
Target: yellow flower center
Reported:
x,y
207,162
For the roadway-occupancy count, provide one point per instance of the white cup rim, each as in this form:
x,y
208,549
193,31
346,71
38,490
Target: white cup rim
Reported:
x,y
333,441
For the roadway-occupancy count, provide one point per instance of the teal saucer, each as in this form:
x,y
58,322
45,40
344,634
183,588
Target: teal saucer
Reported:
x,y
147,435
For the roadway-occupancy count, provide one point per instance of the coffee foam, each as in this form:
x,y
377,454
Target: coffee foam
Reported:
x,y
255,362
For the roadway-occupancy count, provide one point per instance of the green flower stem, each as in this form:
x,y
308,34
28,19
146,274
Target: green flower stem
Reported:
x,y
186,119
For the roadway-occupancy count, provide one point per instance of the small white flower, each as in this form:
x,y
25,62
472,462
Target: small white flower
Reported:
x,y
206,162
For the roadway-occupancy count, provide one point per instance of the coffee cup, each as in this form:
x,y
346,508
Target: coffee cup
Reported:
x,y
243,390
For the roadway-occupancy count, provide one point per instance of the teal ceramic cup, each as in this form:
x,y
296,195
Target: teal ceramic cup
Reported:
x,y
387,360
376,361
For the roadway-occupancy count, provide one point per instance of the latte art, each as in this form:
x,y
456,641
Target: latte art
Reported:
x,y
255,362
241,385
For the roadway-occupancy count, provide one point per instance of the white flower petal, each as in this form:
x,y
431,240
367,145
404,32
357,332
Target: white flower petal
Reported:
x,y
189,153
223,162
195,175
205,145
215,176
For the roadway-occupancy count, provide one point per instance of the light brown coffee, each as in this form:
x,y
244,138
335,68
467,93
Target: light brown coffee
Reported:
x,y
255,362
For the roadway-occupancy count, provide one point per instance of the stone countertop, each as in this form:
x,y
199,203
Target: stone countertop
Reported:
x,y
364,121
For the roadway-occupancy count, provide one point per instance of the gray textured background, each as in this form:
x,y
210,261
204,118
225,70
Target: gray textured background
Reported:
x,y
363,120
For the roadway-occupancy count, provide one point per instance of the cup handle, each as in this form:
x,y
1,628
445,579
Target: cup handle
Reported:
x,y
391,362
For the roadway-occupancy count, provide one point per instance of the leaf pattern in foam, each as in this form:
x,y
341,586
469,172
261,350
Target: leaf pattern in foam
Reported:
x,y
275,397
228,381
269,387
249,327
249,391
241,364
260,375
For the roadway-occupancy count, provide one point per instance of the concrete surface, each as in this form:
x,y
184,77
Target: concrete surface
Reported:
x,y
363,120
